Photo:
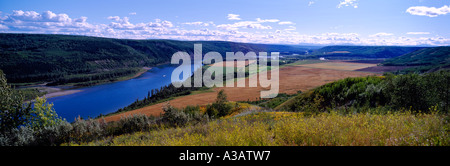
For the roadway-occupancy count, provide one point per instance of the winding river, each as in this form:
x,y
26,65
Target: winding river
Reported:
x,y
108,98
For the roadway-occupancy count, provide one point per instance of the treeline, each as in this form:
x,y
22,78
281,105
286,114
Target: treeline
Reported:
x,y
359,52
95,78
412,92
155,96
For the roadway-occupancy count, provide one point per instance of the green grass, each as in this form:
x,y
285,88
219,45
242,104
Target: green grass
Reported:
x,y
303,62
201,90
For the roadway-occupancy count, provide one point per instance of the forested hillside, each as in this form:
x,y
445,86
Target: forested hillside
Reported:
x,y
62,59
423,60
414,92
359,52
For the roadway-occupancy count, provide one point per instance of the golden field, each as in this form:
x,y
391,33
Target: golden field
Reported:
x,y
289,128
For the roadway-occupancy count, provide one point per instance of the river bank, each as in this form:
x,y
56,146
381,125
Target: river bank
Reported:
x,y
106,98
62,90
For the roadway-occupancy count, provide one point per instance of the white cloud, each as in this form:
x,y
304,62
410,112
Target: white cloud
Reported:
x,y
233,17
199,23
124,23
291,28
381,34
428,11
248,24
256,31
311,3
243,24
115,18
345,3
43,22
418,33
257,26
132,13
285,23
266,20
3,27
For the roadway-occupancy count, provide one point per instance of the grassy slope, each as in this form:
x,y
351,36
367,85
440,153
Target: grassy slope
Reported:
x,y
287,129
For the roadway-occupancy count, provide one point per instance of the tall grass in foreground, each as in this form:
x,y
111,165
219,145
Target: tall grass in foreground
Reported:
x,y
288,128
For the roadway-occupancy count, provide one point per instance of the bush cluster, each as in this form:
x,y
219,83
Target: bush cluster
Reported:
x,y
411,91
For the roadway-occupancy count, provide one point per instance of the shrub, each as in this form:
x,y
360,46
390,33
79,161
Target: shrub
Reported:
x,y
86,130
46,136
174,116
220,107
53,135
135,123
17,137
418,93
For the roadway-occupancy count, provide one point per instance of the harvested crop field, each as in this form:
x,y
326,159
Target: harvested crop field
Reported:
x,y
339,65
292,79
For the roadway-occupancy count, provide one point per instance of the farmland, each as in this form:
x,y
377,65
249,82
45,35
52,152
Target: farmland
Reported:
x,y
339,65
293,78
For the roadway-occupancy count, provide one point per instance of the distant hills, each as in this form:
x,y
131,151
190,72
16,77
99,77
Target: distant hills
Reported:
x,y
63,59
423,60
355,52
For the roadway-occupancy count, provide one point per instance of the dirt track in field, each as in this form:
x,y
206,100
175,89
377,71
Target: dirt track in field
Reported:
x,y
292,79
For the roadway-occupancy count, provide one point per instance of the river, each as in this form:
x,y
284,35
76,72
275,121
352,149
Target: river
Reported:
x,y
107,98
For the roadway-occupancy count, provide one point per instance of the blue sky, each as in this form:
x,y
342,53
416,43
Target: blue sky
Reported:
x,y
361,22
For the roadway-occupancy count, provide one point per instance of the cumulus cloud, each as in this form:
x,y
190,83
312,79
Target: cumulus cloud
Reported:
x,y
258,24
418,33
266,20
132,13
428,11
115,18
381,34
254,31
285,23
290,28
233,17
311,3
243,24
3,27
345,3
124,23
43,22
199,23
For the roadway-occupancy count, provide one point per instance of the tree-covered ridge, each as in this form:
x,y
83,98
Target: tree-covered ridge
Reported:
x,y
342,52
411,92
61,59
423,60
